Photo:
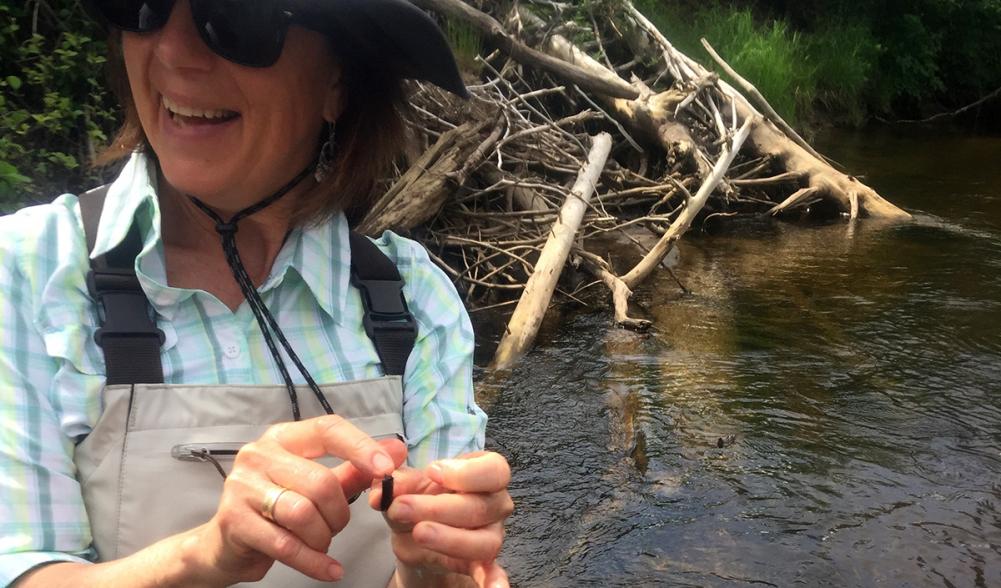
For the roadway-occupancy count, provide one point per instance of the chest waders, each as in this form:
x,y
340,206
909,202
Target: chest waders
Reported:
x,y
151,466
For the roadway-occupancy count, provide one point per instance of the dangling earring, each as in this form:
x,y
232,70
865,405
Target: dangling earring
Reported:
x,y
325,160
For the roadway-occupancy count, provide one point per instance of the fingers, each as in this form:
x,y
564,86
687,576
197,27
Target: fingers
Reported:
x,y
316,506
477,472
283,545
469,511
307,502
244,537
451,516
303,518
470,545
333,435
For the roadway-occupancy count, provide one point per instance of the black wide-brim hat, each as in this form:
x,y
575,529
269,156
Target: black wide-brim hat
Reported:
x,y
394,35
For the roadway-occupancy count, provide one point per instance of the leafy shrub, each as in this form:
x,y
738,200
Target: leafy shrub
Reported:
x,y
55,110
909,68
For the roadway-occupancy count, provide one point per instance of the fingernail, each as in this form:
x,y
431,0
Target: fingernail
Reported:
x,y
336,572
437,470
403,513
382,463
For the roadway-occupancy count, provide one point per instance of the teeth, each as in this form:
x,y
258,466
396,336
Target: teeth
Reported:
x,y
176,109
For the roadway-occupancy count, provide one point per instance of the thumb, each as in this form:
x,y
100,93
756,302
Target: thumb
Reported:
x,y
489,575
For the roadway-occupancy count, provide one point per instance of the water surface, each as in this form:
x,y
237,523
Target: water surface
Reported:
x,y
852,373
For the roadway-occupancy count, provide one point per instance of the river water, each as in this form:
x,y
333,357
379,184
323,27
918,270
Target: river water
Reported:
x,y
851,373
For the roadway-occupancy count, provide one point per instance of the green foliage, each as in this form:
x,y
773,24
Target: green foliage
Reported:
x,y
55,110
893,57
910,70
770,55
466,43
843,56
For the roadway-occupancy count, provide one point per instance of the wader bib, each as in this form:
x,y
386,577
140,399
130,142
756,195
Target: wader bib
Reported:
x,y
150,468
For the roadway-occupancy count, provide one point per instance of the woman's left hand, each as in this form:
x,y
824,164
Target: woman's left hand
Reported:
x,y
448,520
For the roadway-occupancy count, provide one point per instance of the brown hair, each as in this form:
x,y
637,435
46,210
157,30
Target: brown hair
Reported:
x,y
371,134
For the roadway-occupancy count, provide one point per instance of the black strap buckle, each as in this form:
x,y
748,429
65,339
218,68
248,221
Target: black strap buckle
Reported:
x,y
385,307
120,289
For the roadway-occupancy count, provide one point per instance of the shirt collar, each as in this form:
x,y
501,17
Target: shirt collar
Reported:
x,y
320,253
134,187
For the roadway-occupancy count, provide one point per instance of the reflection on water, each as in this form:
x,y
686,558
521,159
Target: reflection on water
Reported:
x,y
858,370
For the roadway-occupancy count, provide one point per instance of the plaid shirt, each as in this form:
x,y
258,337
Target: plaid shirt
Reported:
x,y
52,373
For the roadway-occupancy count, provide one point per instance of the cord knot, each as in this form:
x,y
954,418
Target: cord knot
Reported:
x,y
226,229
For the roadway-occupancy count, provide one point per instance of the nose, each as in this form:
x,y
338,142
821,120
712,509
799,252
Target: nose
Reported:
x,y
178,44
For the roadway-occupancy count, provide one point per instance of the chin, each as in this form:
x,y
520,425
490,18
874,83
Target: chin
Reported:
x,y
193,180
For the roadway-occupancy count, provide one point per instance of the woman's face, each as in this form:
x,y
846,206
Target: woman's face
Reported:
x,y
226,133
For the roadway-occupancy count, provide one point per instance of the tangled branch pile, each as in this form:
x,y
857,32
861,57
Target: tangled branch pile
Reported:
x,y
557,148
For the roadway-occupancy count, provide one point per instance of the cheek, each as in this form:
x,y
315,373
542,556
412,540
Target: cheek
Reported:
x,y
135,53
295,115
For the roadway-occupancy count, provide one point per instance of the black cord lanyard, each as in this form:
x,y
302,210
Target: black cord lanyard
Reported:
x,y
113,284
266,321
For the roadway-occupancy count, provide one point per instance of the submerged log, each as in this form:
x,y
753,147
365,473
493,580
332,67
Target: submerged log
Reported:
x,y
512,185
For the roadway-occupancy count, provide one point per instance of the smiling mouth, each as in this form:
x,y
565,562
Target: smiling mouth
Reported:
x,y
184,115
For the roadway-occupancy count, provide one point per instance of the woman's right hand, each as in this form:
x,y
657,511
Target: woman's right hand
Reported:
x,y
240,544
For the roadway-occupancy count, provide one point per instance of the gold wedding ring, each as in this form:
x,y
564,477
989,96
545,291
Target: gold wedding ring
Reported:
x,y
270,500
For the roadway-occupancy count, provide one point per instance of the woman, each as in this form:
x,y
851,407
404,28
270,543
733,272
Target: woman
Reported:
x,y
235,196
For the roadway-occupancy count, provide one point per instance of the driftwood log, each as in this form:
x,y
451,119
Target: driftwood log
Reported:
x,y
586,126
539,290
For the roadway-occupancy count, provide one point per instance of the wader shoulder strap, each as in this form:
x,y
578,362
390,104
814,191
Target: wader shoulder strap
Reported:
x,y
131,342
127,332
387,320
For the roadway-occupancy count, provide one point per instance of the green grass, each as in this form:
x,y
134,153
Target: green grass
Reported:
x,y
796,72
844,57
466,43
767,54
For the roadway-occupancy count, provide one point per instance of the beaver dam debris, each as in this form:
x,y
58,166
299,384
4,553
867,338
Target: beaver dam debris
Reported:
x,y
585,123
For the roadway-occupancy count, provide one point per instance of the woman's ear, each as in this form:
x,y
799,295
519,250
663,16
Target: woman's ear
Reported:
x,y
336,100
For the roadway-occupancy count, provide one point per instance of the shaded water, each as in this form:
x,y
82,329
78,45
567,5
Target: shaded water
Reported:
x,y
858,370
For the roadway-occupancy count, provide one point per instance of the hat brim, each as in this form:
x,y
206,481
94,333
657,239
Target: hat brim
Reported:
x,y
394,34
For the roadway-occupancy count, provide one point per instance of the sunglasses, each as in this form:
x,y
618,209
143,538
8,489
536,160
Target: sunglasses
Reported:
x,y
246,32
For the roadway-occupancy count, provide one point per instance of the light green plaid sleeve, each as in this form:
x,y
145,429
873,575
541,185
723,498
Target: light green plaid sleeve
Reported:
x,y
42,518
439,411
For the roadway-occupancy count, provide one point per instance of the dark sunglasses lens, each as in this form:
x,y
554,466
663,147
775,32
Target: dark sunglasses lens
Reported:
x,y
248,32
138,16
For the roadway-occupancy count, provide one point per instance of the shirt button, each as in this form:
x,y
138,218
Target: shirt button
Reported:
x,y
231,351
